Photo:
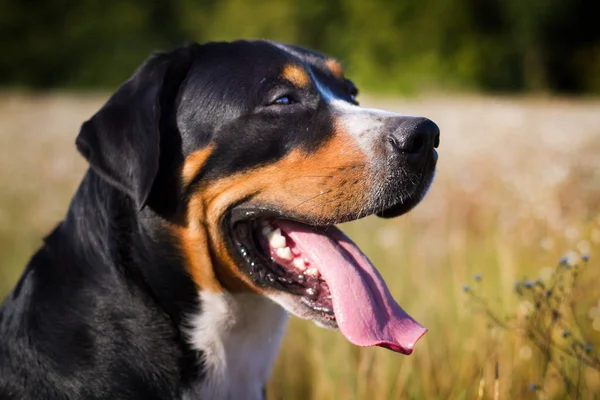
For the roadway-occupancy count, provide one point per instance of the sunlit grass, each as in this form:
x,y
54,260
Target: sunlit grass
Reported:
x,y
518,187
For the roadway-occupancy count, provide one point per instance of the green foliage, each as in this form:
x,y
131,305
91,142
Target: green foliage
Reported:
x,y
407,45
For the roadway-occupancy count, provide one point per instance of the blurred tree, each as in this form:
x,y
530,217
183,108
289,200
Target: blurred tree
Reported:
x,y
407,45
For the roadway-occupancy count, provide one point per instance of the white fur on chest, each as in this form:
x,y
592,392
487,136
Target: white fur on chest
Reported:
x,y
239,335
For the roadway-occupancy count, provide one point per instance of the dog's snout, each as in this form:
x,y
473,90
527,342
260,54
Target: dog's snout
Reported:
x,y
414,137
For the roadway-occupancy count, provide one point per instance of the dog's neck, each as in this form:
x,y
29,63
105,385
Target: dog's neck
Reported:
x,y
99,211
239,336
236,336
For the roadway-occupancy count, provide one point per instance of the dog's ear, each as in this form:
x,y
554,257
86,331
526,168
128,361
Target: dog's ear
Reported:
x,y
122,141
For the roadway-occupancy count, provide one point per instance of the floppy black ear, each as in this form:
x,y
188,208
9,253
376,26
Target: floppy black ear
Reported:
x,y
122,140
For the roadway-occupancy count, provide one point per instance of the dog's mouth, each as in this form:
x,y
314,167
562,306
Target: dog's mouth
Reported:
x,y
283,265
318,273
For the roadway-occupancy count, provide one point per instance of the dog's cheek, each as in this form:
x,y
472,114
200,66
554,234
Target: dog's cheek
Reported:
x,y
200,235
328,184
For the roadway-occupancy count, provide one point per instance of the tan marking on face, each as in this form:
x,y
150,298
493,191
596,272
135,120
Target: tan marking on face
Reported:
x,y
204,255
324,185
335,68
296,75
196,246
193,163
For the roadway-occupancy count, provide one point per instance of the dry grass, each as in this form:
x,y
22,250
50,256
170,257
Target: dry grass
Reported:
x,y
518,185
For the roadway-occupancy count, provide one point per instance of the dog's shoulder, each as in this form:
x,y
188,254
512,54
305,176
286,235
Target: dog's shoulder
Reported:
x,y
74,330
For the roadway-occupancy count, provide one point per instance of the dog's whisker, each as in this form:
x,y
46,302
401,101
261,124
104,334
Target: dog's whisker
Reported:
x,y
313,198
317,176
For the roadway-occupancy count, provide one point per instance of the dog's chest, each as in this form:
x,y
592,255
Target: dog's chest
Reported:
x,y
239,336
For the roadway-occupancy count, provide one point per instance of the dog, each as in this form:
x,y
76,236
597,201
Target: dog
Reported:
x,y
217,174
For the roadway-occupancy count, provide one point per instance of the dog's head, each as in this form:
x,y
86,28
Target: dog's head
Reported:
x,y
251,152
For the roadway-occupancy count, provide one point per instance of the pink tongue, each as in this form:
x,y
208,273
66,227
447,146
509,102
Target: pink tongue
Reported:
x,y
365,310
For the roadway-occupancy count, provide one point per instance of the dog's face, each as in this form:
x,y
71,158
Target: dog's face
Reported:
x,y
253,151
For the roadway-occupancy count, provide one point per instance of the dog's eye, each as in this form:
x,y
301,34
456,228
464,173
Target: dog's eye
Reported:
x,y
352,90
283,100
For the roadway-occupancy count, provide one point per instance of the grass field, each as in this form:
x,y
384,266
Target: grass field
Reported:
x,y
517,188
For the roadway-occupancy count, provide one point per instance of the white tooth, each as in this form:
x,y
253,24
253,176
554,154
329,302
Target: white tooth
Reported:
x,y
276,239
299,263
313,272
266,230
285,253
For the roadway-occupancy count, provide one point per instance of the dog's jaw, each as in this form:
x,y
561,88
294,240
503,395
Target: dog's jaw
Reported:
x,y
239,336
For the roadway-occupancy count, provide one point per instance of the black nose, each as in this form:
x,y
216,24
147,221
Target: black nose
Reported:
x,y
414,137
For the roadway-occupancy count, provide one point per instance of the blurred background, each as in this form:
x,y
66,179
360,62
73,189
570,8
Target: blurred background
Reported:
x,y
512,85
495,45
